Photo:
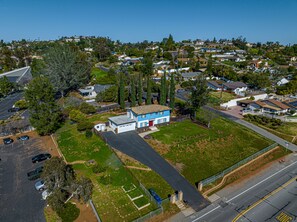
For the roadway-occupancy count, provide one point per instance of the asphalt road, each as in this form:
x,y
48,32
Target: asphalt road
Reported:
x,y
19,201
256,129
134,146
279,206
262,201
7,103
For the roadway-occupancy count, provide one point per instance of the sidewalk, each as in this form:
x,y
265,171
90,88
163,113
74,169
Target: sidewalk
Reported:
x,y
238,186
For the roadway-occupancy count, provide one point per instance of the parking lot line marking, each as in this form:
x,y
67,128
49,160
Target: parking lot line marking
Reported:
x,y
263,199
282,217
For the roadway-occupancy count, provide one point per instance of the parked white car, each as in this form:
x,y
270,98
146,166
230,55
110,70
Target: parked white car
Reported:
x,y
39,185
45,194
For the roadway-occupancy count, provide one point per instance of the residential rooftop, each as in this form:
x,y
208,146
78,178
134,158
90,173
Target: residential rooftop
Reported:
x,y
120,120
149,109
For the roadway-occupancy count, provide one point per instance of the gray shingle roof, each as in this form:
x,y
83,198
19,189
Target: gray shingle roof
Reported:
x,y
149,109
101,88
190,74
234,85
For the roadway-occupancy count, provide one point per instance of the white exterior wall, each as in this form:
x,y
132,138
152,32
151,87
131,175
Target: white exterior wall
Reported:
x,y
164,119
126,127
122,128
233,102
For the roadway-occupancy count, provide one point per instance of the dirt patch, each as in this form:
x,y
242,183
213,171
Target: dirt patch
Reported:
x,y
161,148
86,213
127,160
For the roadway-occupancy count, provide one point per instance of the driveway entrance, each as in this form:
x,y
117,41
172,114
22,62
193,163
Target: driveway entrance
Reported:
x,y
134,146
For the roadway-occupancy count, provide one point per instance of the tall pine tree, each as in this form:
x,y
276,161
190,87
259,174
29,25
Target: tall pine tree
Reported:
x,y
172,92
148,91
133,92
163,89
140,89
122,92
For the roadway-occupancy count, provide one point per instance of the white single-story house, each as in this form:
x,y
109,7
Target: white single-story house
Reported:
x,y
237,87
282,82
91,92
139,117
214,85
190,75
269,106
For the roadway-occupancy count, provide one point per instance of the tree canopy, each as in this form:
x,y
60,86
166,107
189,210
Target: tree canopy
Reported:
x,y
45,114
66,68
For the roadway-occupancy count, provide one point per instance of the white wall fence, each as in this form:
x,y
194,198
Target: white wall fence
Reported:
x,y
233,102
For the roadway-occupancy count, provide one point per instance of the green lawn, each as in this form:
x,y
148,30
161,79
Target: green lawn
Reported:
x,y
200,152
99,76
151,179
97,73
110,200
215,97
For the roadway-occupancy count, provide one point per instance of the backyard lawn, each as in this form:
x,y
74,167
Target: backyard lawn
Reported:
x,y
110,198
215,97
198,152
99,76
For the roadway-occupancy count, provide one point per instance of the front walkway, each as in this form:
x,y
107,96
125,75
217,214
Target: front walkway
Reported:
x,y
134,146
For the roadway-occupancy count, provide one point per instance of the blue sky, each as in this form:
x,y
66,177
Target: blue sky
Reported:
x,y
131,20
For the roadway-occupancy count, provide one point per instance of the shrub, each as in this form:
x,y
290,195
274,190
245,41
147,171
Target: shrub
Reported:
x,y
98,168
105,180
89,134
76,115
21,104
68,213
84,125
87,108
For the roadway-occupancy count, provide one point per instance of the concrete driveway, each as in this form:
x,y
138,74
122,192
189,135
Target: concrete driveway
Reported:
x,y
19,201
134,146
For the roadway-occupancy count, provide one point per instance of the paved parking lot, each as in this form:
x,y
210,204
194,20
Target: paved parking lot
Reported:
x,y
7,103
19,201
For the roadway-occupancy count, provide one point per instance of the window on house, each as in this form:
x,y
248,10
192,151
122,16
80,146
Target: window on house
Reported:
x,y
161,113
164,120
143,116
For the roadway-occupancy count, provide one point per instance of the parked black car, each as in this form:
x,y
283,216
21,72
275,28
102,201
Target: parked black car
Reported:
x,y
41,157
7,140
23,138
35,174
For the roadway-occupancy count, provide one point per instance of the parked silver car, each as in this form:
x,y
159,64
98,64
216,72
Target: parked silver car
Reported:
x,y
39,185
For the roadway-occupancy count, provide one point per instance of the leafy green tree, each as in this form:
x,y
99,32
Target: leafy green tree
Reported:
x,y
66,68
37,67
45,114
87,108
56,200
148,91
109,95
5,86
84,125
122,91
140,90
147,67
133,92
77,115
163,90
170,44
172,92
200,94
83,189
21,104
209,65
58,175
